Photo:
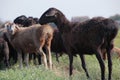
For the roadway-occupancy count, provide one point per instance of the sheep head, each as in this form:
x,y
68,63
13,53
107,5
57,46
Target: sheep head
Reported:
x,y
53,15
11,28
50,15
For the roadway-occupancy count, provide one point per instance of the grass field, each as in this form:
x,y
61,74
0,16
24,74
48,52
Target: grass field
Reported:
x,y
61,70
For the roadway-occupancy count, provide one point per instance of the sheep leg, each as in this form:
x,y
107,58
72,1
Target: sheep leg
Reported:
x,y
84,65
30,57
20,60
6,53
109,61
26,57
57,58
102,65
70,64
49,57
43,57
34,58
48,50
39,59
7,60
109,65
70,58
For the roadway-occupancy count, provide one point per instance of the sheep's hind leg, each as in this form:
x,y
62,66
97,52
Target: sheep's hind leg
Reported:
x,y
43,55
109,48
84,65
101,62
49,57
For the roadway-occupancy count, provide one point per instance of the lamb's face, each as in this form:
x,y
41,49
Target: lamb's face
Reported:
x,y
11,27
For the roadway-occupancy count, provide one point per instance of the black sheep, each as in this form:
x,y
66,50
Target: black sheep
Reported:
x,y
4,51
89,37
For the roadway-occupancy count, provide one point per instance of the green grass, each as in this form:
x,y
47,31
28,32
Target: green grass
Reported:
x,y
61,70
31,73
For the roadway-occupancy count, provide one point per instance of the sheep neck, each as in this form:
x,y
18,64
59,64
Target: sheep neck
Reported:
x,y
63,25
13,36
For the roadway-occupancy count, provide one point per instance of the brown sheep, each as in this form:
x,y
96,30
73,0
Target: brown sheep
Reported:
x,y
12,51
56,45
114,50
89,37
24,21
117,50
31,39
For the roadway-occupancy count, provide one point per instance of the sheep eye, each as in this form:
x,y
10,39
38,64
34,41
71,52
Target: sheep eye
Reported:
x,y
9,28
55,15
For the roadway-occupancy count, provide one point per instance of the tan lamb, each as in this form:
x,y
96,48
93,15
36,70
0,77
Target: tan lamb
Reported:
x,y
31,39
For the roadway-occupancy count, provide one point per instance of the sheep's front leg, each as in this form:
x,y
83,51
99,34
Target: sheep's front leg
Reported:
x,y
26,57
39,59
70,64
20,60
6,53
57,57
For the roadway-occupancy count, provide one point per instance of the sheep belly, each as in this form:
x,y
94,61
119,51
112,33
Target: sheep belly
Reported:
x,y
27,47
30,48
26,44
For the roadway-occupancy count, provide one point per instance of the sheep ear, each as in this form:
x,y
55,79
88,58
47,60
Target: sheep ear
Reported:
x,y
5,27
